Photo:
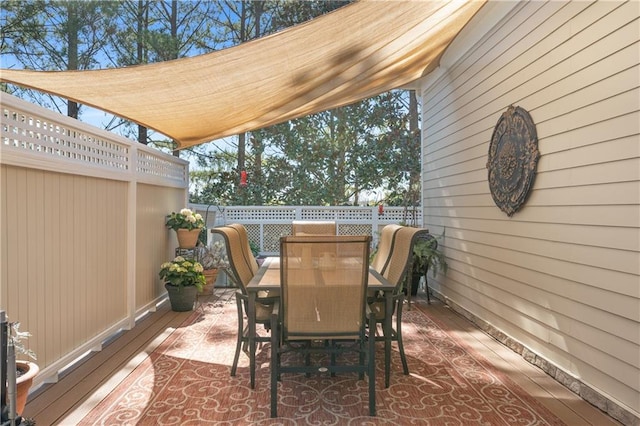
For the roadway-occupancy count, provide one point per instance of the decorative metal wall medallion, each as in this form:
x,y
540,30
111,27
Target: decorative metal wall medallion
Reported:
x,y
513,158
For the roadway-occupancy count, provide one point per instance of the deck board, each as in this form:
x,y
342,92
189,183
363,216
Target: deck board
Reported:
x,y
566,405
78,391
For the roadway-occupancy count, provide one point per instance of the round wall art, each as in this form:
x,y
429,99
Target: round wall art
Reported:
x,y
513,158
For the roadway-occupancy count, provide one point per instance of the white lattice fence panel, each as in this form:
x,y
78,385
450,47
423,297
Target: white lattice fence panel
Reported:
x,y
259,214
253,231
272,234
29,132
152,163
317,214
35,137
401,215
337,213
354,229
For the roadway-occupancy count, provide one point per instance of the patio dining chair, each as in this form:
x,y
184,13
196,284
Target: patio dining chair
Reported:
x,y
314,227
385,247
246,247
322,316
240,271
396,272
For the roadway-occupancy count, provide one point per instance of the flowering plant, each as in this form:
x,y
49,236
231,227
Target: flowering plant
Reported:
x,y
183,272
186,219
17,337
214,256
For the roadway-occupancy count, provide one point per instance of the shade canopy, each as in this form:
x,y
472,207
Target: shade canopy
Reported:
x,y
355,52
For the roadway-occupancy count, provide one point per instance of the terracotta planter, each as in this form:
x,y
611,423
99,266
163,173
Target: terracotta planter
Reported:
x,y
27,371
211,275
181,298
187,238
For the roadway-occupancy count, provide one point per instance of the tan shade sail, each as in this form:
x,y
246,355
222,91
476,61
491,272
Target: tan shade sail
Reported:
x,y
356,52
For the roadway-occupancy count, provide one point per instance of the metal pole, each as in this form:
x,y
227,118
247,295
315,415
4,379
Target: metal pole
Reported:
x,y
3,360
11,381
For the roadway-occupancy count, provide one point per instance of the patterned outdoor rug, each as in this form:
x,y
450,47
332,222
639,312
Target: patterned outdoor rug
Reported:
x,y
186,381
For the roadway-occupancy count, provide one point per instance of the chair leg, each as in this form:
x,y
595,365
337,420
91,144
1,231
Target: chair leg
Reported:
x,y
361,356
236,357
403,357
371,367
333,356
426,288
275,366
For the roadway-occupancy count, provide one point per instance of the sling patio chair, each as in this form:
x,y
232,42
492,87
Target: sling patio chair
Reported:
x,y
240,271
385,247
322,315
397,271
246,247
314,227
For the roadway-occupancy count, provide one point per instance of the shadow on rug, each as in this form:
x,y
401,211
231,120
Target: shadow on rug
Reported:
x,y
186,381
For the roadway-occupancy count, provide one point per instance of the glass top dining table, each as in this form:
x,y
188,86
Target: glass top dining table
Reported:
x,y
268,279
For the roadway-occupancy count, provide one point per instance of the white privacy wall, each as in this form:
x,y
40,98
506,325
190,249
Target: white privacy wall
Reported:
x,y
562,275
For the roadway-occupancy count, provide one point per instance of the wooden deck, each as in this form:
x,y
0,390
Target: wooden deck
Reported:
x,y
84,385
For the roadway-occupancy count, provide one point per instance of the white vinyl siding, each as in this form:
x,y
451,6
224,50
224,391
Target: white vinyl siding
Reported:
x,y
562,275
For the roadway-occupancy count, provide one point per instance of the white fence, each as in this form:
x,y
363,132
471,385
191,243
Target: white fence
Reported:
x,y
82,217
82,220
266,224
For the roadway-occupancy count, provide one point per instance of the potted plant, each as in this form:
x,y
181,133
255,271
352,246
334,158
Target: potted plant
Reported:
x,y
25,370
188,226
212,257
183,279
426,257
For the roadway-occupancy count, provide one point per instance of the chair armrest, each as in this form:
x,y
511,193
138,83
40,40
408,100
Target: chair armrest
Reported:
x,y
276,309
240,295
275,323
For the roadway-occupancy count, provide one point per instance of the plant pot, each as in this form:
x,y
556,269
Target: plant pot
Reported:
x,y
26,371
415,283
211,275
181,298
187,238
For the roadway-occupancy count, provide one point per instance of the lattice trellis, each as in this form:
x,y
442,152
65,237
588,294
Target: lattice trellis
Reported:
x,y
153,164
342,213
272,234
354,229
42,137
266,224
37,135
260,214
253,231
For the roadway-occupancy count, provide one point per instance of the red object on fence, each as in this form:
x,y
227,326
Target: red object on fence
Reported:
x,y
243,178
380,209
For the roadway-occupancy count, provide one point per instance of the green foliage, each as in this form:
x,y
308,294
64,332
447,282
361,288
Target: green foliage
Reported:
x,y
185,219
427,256
255,248
181,272
331,158
55,35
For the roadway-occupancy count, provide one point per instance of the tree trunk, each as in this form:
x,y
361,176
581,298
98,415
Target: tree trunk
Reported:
x,y
72,45
141,52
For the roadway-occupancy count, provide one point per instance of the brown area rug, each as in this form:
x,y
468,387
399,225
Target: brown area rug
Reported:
x,y
186,381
